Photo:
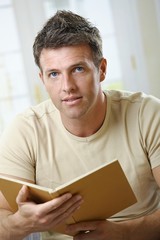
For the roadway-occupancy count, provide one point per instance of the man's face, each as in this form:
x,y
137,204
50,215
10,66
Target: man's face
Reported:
x,y
71,79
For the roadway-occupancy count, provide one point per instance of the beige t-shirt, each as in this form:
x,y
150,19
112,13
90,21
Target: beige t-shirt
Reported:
x,y
37,147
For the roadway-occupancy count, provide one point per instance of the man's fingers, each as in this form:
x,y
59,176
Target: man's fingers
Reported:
x,y
59,205
83,227
60,214
68,209
22,195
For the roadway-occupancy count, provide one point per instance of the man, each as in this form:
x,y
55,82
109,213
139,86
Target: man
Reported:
x,y
77,129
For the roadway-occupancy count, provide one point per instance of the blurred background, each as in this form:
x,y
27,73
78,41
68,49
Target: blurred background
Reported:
x,y
131,43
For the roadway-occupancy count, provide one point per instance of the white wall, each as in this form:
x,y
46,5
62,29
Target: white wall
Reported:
x,y
138,34
150,32
30,17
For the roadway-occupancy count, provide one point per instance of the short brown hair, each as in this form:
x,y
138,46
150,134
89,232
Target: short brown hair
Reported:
x,y
68,29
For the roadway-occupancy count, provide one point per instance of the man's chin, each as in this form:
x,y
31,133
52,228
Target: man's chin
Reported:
x,y
73,115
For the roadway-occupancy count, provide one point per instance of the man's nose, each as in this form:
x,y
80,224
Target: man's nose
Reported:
x,y
68,83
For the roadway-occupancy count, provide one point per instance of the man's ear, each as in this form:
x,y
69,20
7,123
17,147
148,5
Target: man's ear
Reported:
x,y
103,69
41,76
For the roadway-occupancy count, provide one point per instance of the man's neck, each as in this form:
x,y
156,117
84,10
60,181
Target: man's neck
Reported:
x,y
86,126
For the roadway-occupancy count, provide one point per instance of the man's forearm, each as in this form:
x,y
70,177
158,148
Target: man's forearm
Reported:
x,y
9,228
144,228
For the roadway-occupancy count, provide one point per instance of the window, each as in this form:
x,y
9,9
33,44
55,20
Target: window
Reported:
x,y
14,90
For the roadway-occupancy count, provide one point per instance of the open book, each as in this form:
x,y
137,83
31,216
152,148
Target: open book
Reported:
x,y
105,191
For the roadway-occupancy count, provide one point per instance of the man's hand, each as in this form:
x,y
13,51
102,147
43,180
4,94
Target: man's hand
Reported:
x,y
97,230
42,217
32,217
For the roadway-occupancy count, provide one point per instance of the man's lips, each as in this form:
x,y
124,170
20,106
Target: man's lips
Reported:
x,y
71,100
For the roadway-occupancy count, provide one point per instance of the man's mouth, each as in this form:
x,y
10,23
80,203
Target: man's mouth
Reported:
x,y
71,100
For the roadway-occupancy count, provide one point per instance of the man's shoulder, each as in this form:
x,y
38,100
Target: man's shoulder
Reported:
x,y
144,103
34,118
40,110
132,97
120,95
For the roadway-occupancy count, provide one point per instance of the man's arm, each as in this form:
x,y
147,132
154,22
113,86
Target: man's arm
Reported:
x,y
144,228
6,225
32,217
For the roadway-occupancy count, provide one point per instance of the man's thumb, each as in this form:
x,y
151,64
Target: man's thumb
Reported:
x,y
22,195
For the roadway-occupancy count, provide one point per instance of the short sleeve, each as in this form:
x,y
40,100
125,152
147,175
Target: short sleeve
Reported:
x,y
150,129
17,153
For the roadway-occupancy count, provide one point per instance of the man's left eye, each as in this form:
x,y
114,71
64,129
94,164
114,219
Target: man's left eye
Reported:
x,y
79,69
54,74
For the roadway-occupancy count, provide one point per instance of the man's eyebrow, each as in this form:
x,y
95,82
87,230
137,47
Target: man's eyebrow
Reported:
x,y
78,63
48,70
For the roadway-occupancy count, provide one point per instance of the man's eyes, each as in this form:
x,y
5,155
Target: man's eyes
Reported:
x,y
75,70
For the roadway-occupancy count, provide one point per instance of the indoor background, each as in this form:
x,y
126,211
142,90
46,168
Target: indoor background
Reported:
x,y
131,43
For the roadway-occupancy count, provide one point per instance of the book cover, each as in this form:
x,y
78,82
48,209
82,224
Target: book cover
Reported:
x,y
105,191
